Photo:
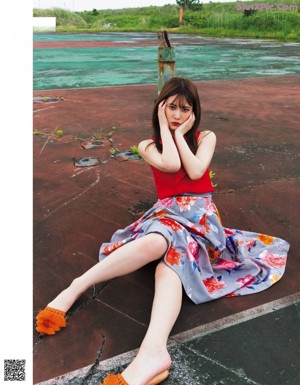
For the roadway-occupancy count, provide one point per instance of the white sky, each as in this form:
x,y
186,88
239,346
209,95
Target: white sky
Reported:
x,y
87,5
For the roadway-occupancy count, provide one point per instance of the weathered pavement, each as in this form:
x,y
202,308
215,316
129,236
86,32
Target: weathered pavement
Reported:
x,y
253,339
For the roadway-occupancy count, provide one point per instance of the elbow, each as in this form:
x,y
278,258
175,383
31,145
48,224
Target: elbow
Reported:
x,y
171,165
172,168
196,174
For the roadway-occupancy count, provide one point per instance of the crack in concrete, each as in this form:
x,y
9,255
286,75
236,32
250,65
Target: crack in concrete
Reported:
x,y
91,299
96,292
64,204
43,109
49,137
94,368
37,342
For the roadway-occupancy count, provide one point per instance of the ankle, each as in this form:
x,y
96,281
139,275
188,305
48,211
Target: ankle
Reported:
x,y
153,345
159,351
67,297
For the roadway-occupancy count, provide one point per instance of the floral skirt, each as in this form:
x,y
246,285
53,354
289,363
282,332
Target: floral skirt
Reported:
x,y
212,261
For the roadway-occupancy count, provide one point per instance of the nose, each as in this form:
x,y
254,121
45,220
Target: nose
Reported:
x,y
177,114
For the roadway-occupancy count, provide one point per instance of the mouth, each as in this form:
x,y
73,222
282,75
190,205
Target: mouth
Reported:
x,y
175,124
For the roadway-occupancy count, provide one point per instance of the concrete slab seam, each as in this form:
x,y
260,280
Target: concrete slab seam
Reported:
x,y
122,313
236,319
183,337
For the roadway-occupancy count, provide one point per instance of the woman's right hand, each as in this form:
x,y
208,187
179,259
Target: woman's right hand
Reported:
x,y
168,160
163,122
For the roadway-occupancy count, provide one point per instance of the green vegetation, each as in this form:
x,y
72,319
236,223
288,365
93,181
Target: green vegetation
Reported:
x,y
212,175
212,19
134,149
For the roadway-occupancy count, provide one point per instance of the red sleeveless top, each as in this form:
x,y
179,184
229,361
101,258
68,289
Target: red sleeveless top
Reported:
x,y
178,183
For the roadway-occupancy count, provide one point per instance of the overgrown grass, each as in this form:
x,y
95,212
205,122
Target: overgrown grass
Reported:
x,y
214,19
64,18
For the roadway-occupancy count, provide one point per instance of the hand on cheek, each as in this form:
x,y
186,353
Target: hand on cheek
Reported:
x,y
187,125
163,121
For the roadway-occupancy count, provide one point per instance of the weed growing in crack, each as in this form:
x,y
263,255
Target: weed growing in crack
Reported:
x,y
134,150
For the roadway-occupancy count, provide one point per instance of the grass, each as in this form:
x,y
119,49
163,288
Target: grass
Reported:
x,y
134,150
214,19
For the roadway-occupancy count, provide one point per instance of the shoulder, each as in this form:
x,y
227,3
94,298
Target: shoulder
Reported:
x,y
144,145
206,136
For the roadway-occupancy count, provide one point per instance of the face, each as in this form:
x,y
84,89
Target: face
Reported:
x,y
177,111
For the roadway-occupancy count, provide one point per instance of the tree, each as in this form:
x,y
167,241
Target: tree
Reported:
x,y
188,4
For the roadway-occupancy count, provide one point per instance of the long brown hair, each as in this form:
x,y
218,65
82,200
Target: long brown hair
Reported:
x,y
185,91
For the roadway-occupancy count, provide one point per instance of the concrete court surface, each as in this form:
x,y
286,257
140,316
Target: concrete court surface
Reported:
x,y
77,208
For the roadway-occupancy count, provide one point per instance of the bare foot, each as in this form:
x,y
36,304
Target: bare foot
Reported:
x,y
148,363
66,298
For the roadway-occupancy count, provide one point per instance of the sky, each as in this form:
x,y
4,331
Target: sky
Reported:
x,y
87,5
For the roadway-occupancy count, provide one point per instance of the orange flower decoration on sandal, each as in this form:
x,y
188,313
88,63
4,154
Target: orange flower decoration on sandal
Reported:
x,y
49,321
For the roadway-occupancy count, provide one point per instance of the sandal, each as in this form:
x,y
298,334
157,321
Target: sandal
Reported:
x,y
50,320
117,379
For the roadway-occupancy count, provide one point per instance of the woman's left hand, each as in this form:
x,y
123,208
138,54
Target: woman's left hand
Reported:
x,y
187,125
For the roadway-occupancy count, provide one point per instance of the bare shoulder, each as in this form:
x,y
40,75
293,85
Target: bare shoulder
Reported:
x,y
207,136
143,145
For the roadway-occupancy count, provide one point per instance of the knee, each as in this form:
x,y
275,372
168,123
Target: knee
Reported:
x,y
161,270
164,274
157,243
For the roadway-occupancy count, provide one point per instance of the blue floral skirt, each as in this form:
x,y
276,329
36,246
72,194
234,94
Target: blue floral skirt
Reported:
x,y
212,261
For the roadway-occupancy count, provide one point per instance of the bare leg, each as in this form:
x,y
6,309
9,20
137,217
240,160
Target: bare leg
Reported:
x,y
124,260
153,356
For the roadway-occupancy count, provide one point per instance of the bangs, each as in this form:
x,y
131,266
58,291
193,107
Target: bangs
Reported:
x,y
183,100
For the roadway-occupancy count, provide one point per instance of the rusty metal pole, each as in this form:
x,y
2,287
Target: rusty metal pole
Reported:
x,y
166,59
180,15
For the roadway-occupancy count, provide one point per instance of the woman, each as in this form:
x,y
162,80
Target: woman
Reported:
x,y
182,231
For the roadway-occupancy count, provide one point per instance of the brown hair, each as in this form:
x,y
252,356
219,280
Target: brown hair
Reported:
x,y
185,91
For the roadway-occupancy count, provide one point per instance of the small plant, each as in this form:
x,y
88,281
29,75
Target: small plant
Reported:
x,y
134,150
113,151
111,132
212,175
98,135
59,133
37,132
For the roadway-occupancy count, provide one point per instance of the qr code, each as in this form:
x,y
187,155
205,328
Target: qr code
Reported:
x,y
14,370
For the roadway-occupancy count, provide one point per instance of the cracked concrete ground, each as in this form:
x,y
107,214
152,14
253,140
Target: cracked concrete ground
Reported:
x,y
77,208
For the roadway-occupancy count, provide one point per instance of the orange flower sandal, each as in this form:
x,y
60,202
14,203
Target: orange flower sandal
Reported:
x,y
117,379
50,320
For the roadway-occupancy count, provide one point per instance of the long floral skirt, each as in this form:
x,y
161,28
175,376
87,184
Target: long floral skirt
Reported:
x,y
212,261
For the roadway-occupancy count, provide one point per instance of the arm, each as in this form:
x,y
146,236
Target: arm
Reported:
x,y
195,165
168,160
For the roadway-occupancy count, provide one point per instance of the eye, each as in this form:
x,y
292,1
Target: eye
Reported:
x,y
172,106
186,109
